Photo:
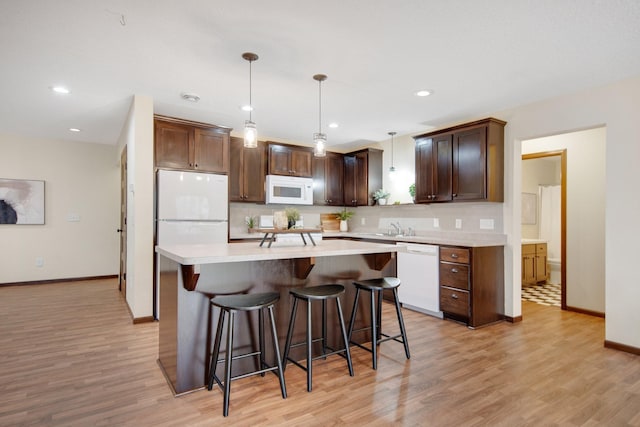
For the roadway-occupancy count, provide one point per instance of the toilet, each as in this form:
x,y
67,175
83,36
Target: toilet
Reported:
x,y
554,265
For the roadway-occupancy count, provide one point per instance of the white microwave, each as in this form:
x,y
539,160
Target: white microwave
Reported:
x,y
290,190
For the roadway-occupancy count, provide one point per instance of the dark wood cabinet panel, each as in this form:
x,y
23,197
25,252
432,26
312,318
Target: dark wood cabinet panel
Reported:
x,y
434,165
472,284
172,142
461,163
470,164
301,162
211,150
181,144
328,180
247,172
290,160
363,176
349,191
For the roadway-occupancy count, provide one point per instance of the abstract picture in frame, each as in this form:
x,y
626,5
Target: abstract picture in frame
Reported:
x,y
21,201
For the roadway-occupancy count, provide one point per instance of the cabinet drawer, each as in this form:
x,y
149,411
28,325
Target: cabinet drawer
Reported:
x,y
541,249
454,254
454,301
454,275
528,249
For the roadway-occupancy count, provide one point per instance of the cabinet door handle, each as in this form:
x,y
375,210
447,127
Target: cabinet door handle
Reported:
x,y
196,166
455,194
454,296
454,255
454,270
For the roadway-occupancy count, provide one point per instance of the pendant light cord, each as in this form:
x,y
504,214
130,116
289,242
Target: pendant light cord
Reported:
x,y
319,106
250,102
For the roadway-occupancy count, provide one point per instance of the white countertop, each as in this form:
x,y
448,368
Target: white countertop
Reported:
x,y
532,241
457,238
250,251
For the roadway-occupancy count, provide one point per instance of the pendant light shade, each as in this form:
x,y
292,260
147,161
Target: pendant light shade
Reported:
x,y
392,169
250,130
319,139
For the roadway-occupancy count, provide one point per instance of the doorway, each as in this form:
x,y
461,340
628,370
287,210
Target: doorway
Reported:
x,y
544,178
584,200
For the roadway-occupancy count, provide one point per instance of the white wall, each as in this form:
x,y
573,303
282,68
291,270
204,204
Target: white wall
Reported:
x,y
137,136
615,106
586,179
80,179
404,153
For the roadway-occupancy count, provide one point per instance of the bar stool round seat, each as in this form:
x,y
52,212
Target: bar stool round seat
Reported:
x,y
310,294
229,305
377,286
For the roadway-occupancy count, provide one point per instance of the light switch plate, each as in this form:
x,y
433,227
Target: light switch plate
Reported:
x,y
458,223
436,223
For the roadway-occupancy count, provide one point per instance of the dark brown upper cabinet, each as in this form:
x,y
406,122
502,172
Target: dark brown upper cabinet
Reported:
x,y
461,163
328,180
247,172
290,160
182,144
362,176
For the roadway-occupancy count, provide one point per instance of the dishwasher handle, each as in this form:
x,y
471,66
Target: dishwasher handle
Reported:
x,y
420,249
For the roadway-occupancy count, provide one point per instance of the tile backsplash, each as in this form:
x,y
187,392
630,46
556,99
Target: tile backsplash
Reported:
x,y
450,217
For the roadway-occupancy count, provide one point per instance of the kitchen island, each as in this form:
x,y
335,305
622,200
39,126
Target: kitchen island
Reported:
x,y
191,274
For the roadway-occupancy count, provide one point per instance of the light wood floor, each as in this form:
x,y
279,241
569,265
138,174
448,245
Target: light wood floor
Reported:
x,y
70,356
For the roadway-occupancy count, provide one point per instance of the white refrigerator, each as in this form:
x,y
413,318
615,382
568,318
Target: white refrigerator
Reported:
x,y
191,208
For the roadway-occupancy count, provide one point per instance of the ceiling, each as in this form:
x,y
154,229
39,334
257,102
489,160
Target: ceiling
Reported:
x,y
477,57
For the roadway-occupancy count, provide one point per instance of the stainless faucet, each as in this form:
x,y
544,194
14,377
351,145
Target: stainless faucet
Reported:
x,y
397,227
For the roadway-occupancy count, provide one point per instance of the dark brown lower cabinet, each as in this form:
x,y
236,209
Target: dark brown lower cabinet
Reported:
x,y
472,284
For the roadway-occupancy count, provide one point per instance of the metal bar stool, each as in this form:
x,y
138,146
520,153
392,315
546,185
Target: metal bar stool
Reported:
x,y
231,304
377,286
310,294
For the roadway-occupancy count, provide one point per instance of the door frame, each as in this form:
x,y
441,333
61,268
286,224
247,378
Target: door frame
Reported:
x,y
122,275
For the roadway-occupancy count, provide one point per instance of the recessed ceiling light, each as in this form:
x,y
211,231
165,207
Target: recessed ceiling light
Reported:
x,y
74,130
61,89
424,92
190,97
246,108
333,125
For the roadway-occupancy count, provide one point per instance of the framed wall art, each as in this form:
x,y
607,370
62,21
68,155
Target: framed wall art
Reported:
x,y
21,201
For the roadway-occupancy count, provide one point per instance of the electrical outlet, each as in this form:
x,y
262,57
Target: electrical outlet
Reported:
x,y
436,223
363,221
39,261
458,223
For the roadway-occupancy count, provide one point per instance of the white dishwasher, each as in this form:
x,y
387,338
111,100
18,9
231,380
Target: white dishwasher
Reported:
x,y
418,267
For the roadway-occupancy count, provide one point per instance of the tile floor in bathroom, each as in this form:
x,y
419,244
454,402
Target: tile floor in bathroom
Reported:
x,y
545,294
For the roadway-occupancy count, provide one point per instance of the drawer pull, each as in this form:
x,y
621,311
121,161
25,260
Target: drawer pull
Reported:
x,y
454,255
454,296
454,270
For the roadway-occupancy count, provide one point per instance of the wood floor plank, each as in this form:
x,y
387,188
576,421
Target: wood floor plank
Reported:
x,y
70,356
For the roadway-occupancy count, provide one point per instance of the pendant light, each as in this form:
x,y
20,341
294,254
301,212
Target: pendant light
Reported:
x,y
392,169
250,130
320,139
